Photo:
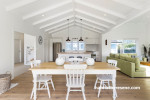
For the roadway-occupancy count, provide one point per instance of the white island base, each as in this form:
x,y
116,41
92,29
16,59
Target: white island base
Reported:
x,y
66,55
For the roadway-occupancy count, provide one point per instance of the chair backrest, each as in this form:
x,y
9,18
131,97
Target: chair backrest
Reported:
x,y
75,74
35,63
79,57
112,62
71,56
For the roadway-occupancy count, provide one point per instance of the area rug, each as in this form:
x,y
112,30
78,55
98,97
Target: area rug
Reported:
x,y
11,86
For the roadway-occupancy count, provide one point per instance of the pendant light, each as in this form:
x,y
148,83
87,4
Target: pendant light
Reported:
x,y
68,31
81,31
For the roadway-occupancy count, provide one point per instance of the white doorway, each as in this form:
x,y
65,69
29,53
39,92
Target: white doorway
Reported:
x,y
17,51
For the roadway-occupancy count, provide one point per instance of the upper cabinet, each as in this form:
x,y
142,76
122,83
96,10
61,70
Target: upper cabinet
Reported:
x,y
92,41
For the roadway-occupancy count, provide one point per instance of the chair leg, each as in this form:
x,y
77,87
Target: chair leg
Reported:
x,y
101,83
39,84
52,84
83,93
95,83
48,89
108,84
68,93
31,94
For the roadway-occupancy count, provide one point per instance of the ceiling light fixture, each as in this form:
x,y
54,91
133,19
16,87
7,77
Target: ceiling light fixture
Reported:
x,y
81,31
68,31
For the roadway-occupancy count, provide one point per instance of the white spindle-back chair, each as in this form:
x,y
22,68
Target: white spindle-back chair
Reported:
x,y
75,76
105,78
42,79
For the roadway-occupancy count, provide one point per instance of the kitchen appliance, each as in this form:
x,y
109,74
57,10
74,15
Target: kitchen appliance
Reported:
x,y
57,47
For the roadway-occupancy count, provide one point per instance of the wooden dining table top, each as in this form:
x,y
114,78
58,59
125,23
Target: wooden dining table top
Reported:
x,y
96,66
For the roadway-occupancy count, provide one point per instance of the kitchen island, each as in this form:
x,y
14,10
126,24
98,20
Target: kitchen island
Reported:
x,y
66,55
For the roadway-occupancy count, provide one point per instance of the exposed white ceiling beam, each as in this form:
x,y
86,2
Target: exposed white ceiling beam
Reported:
x,y
108,11
129,4
62,28
19,4
91,21
95,16
60,25
124,22
92,26
45,10
51,17
88,28
55,22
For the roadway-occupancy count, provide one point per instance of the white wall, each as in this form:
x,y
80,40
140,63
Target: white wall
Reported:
x,y
74,32
8,24
137,31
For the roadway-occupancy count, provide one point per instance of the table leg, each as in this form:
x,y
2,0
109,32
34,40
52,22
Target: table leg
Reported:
x,y
35,84
114,84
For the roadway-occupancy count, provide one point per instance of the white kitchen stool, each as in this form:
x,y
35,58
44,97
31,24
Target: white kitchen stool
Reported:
x,y
75,76
105,78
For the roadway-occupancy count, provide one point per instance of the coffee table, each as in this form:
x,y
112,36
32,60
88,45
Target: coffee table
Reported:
x,y
145,63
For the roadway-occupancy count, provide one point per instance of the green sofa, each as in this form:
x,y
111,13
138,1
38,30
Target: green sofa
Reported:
x,y
129,66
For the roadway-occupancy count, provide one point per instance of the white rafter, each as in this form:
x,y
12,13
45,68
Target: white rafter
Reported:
x,y
92,26
19,4
124,22
45,10
108,11
61,28
55,22
51,17
91,21
129,4
60,25
88,28
95,16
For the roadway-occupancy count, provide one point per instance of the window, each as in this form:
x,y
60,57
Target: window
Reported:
x,y
75,46
123,46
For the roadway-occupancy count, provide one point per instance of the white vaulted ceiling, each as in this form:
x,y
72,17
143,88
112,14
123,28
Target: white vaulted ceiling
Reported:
x,y
98,15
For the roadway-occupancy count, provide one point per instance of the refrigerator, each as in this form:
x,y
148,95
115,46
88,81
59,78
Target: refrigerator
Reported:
x,y
57,47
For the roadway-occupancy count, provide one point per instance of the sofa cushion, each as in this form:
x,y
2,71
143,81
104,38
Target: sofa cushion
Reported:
x,y
141,70
117,56
123,56
112,55
130,59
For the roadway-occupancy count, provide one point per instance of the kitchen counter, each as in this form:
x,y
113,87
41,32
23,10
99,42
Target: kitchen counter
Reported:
x,y
66,55
74,53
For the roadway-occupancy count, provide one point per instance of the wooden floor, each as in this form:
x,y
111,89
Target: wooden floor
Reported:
x,y
23,90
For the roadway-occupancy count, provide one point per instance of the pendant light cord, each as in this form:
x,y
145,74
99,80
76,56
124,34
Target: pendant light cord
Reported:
x,y
68,27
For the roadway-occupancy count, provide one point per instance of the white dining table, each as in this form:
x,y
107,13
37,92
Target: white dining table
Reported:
x,y
53,69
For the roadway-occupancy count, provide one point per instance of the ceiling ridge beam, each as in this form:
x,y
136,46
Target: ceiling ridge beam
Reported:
x,y
129,4
45,10
108,11
19,4
95,16
55,22
66,23
51,17
94,22
62,28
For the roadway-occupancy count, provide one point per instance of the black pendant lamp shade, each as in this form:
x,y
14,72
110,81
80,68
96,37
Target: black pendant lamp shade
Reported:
x,y
81,32
68,31
68,39
81,39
